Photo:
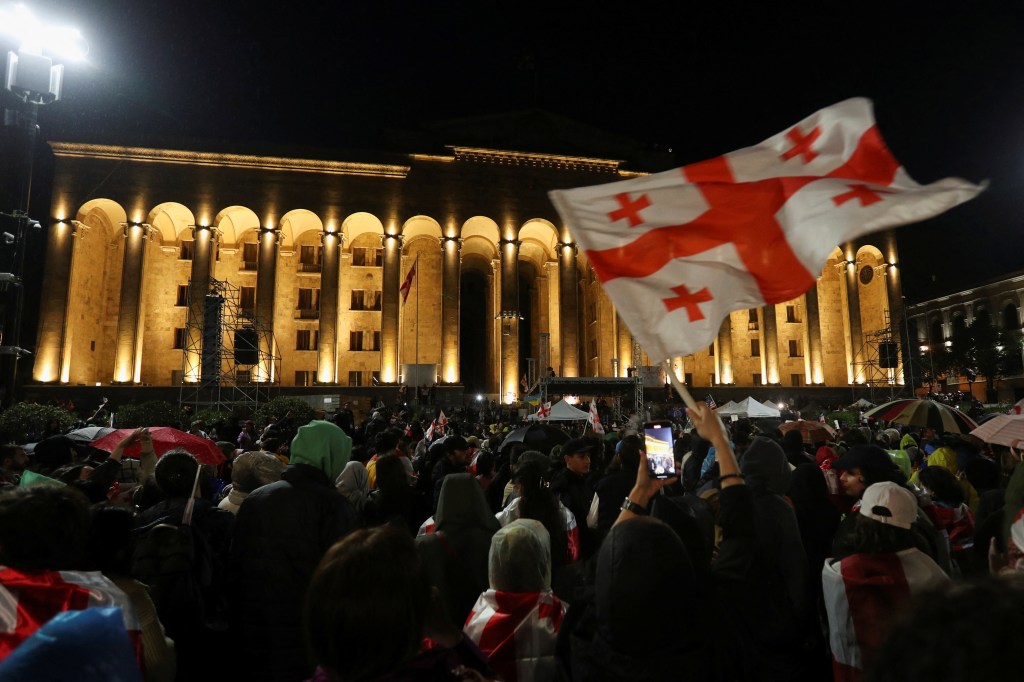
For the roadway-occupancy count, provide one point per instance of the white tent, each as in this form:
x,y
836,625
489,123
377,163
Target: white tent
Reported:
x,y
861,404
748,407
563,412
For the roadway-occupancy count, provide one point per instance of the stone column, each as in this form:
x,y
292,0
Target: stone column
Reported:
x,y
389,307
266,293
451,274
568,303
723,355
856,330
129,315
198,287
813,325
770,337
509,318
53,309
330,268
897,321
624,344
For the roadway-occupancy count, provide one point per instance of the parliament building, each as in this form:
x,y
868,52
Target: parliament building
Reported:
x,y
305,260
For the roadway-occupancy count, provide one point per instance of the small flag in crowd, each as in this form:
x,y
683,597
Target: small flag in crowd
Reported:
x,y
594,419
407,284
677,251
711,402
544,412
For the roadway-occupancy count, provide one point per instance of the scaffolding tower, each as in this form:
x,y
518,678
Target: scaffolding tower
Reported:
x,y
880,365
230,362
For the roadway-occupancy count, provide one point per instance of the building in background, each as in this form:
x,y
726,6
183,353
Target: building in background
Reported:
x,y
316,250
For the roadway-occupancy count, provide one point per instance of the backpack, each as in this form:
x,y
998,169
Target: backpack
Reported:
x,y
175,561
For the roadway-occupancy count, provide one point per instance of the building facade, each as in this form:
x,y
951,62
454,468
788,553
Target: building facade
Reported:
x,y
318,250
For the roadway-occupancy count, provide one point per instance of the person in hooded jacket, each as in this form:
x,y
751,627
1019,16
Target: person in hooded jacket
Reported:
x,y
281,533
456,546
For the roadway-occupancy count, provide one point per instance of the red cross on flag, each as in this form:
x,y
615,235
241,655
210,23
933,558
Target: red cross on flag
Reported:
x,y
594,419
544,412
677,251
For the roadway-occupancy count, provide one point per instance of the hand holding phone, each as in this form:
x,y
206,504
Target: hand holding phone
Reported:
x,y
658,443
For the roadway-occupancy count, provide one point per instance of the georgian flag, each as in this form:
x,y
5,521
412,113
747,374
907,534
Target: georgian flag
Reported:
x,y
862,593
29,599
594,419
544,411
677,251
407,284
517,631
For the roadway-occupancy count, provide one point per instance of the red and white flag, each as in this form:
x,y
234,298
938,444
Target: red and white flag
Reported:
x,y
544,411
594,419
677,251
517,632
407,284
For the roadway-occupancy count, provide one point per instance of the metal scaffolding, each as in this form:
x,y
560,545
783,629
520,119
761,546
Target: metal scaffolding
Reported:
x,y
882,347
239,367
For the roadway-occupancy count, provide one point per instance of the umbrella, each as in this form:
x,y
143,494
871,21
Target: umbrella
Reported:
x,y
921,413
89,433
1002,429
537,436
812,432
165,438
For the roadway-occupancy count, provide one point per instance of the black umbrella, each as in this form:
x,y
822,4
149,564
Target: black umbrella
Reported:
x,y
541,437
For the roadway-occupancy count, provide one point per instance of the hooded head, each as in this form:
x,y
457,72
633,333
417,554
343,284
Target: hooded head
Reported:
x,y
764,464
520,558
462,504
945,458
317,444
642,561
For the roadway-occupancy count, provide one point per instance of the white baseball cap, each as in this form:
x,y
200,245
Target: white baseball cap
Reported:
x,y
889,503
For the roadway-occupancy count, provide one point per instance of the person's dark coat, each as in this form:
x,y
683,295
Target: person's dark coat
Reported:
x,y
574,491
281,533
611,491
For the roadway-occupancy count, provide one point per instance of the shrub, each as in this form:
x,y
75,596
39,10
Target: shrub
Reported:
x,y
152,413
301,411
17,422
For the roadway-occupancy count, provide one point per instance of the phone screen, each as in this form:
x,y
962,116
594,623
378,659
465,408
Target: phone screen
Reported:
x,y
658,441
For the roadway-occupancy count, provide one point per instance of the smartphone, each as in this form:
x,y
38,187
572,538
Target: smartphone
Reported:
x,y
658,442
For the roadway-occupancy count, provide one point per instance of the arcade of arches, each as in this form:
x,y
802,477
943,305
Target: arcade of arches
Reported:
x,y
319,250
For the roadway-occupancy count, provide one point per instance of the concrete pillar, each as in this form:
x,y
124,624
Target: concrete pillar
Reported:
x,y
53,309
853,306
812,323
330,269
389,307
568,303
894,291
198,287
723,353
451,275
509,318
266,295
624,345
127,345
770,341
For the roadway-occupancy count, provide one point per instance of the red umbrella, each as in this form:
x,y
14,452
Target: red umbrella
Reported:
x,y
165,438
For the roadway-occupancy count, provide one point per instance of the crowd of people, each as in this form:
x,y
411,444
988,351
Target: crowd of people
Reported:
x,y
336,551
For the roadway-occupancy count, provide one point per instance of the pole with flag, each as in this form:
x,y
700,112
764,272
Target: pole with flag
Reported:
x,y
544,411
404,291
677,251
594,419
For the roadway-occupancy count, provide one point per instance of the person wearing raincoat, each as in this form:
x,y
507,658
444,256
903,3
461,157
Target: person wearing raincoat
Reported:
x,y
515,622
946,458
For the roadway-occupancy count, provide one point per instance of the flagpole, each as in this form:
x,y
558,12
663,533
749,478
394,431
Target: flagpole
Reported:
x,y
416,269
680,387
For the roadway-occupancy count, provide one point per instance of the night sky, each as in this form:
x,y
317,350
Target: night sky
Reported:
x,y
947,80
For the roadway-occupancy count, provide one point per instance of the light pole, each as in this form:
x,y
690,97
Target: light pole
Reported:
x,y
31,79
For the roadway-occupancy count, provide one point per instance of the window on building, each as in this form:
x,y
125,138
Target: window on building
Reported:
x,y
355,378
250,255
592,346
374,300
177,377
375,377
308,303
187,250
304,339
303,378
796,348
247,298
1010,318
367,257
182,297
358,297
688,379
593,312
757,380
310,255
755,348
375,341
796,380
243,376
711,350
752,325
179,338
711,379
792,314
355,340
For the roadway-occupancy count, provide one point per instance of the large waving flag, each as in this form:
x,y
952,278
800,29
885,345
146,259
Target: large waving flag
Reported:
x,y
677,251
407,284
594,419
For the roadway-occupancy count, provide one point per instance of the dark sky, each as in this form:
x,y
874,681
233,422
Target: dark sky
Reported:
x,y
947,80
